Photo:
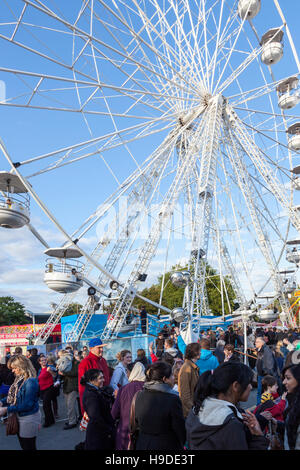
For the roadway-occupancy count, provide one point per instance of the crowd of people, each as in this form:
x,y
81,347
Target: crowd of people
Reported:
x,y
174,397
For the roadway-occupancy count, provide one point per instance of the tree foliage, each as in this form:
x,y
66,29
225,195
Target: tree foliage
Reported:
x,y
73,309
173,296
11,312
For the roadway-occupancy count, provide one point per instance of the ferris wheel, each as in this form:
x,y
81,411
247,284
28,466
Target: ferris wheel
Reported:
x,y
175,119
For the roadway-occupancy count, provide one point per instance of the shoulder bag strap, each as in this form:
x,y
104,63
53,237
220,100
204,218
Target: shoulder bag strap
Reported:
x,y
132,423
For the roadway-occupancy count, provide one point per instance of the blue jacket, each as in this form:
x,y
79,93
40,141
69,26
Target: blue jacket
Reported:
x,y
207,359
27,399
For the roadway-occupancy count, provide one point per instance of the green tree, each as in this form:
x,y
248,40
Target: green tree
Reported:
x,y
73,309
173,296
11,312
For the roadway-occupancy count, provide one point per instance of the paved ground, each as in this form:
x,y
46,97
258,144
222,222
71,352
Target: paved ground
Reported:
x,y
56,438
52,438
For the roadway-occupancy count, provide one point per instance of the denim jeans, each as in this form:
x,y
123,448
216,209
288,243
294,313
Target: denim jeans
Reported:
x,y
259,389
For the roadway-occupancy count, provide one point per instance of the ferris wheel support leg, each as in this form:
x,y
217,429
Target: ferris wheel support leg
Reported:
x,y
229,267
204,205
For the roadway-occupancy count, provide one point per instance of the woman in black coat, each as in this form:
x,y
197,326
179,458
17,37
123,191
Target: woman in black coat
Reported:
x,y
158,412
97,402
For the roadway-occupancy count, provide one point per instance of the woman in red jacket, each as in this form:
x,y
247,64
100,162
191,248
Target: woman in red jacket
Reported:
x,y
47,390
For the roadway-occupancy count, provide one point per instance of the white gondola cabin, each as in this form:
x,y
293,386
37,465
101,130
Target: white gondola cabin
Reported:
x,y
296,178
267,315
289,283
14,201
272,46
249,8
293,251
294,141
63,272
288,93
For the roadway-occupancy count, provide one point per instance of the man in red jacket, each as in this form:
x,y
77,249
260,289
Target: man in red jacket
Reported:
x,y
93,361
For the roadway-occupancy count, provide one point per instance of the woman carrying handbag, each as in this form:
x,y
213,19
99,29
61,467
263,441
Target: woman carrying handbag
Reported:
x,y
22,403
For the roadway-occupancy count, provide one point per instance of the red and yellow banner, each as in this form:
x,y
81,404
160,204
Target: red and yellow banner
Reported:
x,y
17,334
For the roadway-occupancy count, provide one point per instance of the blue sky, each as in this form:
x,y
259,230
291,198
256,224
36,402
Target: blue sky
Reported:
x,y
75,191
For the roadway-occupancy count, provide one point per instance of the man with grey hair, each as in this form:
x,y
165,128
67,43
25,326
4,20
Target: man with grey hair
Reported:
x,y
219,351
265,364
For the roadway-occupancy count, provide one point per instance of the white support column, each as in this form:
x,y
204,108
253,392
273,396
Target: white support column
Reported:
x,y
206,183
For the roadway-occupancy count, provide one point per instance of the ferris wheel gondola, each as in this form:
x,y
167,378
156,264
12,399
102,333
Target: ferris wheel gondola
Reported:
x,y
14,202
288,93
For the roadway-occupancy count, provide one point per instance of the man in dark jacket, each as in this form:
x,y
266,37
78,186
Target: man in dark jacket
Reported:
x,y
265,364
159,343
231,337
143,316
70,391
33,356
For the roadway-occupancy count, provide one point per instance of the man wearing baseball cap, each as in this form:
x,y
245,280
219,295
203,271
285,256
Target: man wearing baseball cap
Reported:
x,y
93,361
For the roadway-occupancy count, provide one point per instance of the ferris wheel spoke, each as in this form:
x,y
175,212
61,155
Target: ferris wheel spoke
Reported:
x,y
287,172
139,174
214,59
125,49
131,93
237,216
98,151
267,175
188,55
18,22
151,47
260,111
98,139
130,76
263,241
232,48
96,40
146,23
163,60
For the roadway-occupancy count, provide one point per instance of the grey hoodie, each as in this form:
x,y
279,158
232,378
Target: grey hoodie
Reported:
x,y
172,351
219,426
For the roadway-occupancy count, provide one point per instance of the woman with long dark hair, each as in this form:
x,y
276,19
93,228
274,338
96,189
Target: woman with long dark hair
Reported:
x,y
216,422
158,412
97,402
291,381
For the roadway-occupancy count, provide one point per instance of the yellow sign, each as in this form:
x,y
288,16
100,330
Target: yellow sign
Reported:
x,y
297,293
